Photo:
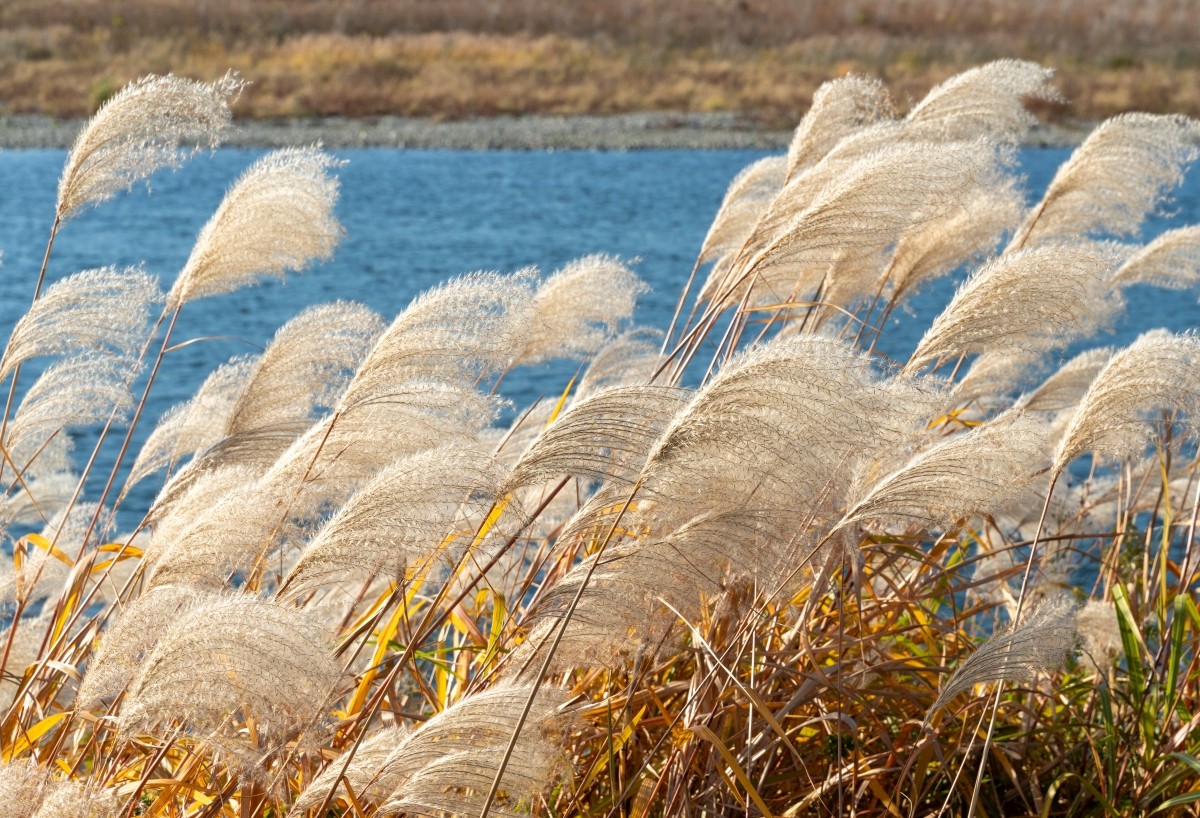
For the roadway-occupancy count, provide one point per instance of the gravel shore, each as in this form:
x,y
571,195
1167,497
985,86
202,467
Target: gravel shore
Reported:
x,y
532,132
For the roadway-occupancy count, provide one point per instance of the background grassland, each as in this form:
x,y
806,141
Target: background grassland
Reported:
x,y
479,57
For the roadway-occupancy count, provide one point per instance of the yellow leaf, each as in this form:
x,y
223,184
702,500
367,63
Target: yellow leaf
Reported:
x,y
28,737
615,747
740,774
44,544
561,402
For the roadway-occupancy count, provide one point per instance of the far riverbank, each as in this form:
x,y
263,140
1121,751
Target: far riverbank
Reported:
x,y
640,131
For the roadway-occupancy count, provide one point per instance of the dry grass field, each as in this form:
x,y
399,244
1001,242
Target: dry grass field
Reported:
x,y
479,57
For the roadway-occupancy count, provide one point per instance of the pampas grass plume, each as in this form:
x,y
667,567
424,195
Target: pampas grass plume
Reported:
x,y
139,130
277,217
103,311
1039,643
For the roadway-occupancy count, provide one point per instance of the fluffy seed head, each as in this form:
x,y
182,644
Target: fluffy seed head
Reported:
x,y
277,217
232,658
751,190
421,506
984,101
195,424
96,311
1114,178
1066,387
23,785
139,130
1035,299
68,799
865,210
1157,371
579,308
460,331
603,436
631,359
839,107
72,394
1039,643
306,366
975,472
1171,261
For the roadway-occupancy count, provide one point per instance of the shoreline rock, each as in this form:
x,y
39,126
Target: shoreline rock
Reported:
x,y
639,131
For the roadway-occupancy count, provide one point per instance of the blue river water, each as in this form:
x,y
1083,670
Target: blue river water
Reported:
x,y
415,218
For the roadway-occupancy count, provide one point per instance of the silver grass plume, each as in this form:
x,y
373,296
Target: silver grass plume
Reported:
x,y
448,763
636,596
984,101
180,505
419,508
756,221
42,573
966,230
1064,389
69,799
72,394
47,459
865,210
342,452
124,646
462,330
1039,643
604,436
253,452
23,786
1099,633
1034,299
306,367
962,235
362,774
25,652
994,377
580,307
592,520
244,523
1114,178
979,471
68,528
1171,261
39,576
458,783
839,107
232,658
631,359
96,311
1158,371
142,128
481,721
195,424
751,190
782,424
278,216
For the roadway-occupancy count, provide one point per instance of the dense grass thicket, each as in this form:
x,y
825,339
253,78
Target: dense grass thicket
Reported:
x,y
819,583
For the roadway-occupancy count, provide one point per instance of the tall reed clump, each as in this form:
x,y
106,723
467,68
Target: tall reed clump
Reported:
x,y
818,583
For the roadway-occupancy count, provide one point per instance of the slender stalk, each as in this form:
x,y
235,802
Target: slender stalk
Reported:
x,y
428,625
562,629
1016,618
37,293
679,305
81,571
